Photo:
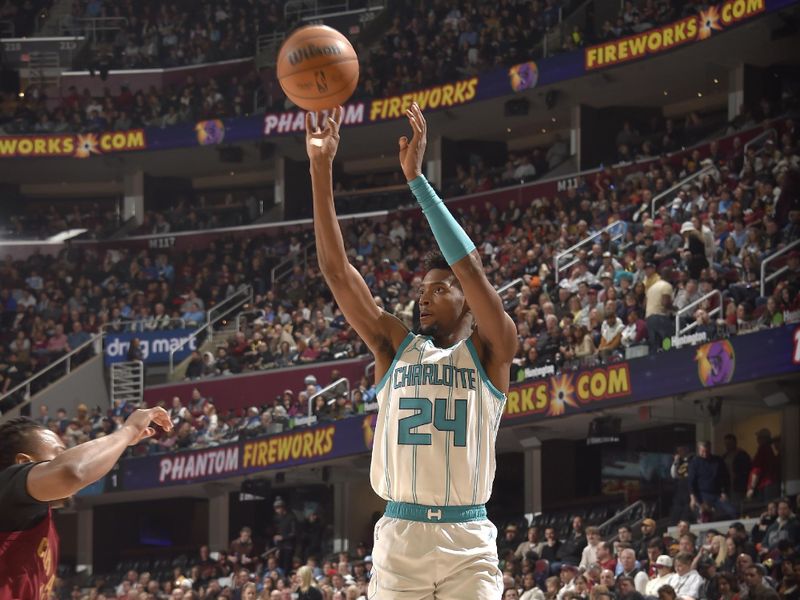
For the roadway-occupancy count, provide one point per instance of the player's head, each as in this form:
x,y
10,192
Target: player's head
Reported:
x,y
24,440
442,305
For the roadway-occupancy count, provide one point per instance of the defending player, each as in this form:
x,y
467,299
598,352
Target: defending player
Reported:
x,y
37,471
440,394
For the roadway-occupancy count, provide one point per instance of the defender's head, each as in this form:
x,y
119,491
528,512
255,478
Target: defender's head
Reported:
x,y
23,440
442,305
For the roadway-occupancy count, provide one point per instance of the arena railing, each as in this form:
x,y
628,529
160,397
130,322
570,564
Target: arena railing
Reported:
x,y
216,313
285,267
685,181
66,361
620,516
90,26
769,134
765,279
558,267
687,309
134,325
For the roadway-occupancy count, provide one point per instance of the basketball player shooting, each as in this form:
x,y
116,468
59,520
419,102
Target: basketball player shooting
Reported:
x,y
440,393
38,473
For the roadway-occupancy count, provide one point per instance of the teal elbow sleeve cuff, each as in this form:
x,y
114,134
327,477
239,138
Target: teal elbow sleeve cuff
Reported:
x,y
452,239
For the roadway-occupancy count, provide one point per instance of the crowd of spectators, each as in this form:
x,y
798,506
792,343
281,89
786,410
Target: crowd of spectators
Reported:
x,y
198,424
643,559
36,221
620,293
22,16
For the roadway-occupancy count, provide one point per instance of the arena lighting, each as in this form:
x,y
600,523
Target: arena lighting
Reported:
x,y
604,430
65,235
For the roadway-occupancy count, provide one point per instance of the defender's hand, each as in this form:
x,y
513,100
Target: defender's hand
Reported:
x,y
411,153
322,142
138,423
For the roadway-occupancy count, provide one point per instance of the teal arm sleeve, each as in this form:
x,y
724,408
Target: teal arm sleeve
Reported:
x,y
452,239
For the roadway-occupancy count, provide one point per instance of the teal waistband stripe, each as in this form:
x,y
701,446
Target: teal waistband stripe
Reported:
x,y
435,514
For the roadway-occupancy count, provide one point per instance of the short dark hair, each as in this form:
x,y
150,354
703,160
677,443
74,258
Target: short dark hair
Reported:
x,y
435,260
14,438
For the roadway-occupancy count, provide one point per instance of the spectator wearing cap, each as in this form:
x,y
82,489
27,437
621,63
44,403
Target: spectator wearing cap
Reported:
x,y
764,480
686,581
663,566
284,527
312,380
567,576
649,534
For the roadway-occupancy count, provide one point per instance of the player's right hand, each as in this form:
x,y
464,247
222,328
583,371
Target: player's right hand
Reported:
x,y
322,135
138,423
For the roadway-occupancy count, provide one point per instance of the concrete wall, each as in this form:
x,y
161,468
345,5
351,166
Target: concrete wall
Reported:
x,y
86,384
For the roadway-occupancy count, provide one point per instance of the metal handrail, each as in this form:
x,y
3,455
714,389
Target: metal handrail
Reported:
x,y
769,133
510,284
211,320
140,322
625,511
90,26
583,242
290,262
303,9
67,358
326,389
670,191
127,380
688,307
779,272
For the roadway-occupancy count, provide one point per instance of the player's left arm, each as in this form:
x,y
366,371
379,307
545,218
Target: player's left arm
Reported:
x,y
496,331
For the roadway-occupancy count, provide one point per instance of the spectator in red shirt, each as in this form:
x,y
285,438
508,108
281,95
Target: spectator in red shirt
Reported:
x,y
764,481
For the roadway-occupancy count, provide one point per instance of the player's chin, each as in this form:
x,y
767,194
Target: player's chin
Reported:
x,y
67,502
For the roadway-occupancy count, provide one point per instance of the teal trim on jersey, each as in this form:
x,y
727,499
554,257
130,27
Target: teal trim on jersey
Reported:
x,y
435,514
497,393
400,349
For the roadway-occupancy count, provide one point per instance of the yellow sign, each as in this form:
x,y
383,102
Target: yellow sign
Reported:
x,y
77,145
660,39
440,96
553,395
288,448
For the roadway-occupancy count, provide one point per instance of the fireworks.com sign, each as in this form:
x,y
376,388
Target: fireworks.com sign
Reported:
x,y
155,345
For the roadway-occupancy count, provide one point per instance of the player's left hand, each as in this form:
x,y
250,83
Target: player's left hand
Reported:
x,y
322,136
411,153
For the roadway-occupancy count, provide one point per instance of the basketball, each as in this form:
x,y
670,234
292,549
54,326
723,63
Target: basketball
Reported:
x,y
317,68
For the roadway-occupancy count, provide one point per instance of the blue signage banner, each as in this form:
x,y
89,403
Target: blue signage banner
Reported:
x,y
296,447
155,345
765,354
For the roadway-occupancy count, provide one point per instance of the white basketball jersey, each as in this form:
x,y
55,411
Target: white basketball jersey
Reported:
x,y
438,415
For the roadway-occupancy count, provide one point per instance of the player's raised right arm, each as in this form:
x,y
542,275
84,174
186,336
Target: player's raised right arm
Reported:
x,y
381,331
74,469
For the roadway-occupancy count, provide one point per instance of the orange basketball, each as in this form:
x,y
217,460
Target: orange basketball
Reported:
x,y
317,68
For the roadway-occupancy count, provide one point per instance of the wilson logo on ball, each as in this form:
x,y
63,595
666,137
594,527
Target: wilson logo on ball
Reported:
x,y
312,51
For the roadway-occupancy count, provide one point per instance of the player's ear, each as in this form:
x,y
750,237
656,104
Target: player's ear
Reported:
x,y
21,458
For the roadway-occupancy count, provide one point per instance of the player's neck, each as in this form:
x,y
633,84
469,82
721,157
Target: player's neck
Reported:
x,y
451,339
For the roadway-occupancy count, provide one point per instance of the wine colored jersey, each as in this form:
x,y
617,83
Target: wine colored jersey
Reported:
x,y
28,539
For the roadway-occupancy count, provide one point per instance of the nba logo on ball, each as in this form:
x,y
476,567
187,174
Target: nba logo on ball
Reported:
x,y
317,68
